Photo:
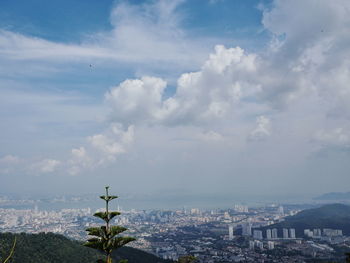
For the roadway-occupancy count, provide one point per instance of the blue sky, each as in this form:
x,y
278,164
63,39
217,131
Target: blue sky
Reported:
x,y
63,21
218,96
70,21
233,22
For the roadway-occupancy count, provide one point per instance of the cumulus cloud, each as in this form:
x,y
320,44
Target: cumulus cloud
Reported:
x,y
209,94
337,137
46,166
79,161
113,142
307,61
137,100
312,49
262,130
11,163
101,148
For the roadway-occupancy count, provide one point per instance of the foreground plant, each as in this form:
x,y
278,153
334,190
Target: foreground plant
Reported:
x,y
106,238
11,251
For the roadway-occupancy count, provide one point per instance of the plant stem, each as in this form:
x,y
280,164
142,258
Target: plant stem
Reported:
x,y
12,250
109,259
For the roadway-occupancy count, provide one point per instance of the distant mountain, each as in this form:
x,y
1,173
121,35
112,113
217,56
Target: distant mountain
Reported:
x,y
335,196
53,248
335,216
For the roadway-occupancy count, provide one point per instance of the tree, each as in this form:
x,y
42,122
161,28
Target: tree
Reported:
x,y
106,238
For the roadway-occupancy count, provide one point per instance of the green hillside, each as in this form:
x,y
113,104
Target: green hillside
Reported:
x,y
336,216
53,248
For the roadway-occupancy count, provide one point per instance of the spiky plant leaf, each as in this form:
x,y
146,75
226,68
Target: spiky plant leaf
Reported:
x,y
121,241
113,214
106,216
96,231
115,230
104,237
102,215
108,197
94,243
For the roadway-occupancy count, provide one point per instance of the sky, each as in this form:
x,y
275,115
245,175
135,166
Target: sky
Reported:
x,y
180,99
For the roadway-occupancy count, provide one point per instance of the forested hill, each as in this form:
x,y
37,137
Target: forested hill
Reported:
x,y
53,248
336,216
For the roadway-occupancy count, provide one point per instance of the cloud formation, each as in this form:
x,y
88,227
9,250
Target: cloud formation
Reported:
x,y
337,137
262,130
46,166
288,96
209,94
142,35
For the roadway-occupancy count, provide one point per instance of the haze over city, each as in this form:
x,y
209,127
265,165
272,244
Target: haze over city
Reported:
x,y
215,100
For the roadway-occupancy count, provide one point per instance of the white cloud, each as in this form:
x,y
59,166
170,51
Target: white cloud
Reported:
x,y
15,46
312,51
9,159
79,161
262,130
203,96
311,61
147,34
46,166
112,143
9,163
337,137
301,82
137,100
211,136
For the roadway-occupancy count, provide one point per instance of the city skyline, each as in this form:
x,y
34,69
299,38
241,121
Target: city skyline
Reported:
x,y
220,234
228,99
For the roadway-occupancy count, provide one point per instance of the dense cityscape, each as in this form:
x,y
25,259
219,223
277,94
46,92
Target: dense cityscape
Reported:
x,y
238,234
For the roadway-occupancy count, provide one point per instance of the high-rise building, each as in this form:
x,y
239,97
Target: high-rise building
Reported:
x,y
332,232
308,233
251,245
292,233
230,232
257,234
268,234
259,244
270,245
247,229
285,233
36,209
241,208
317,233
274,233
195,211
280,210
